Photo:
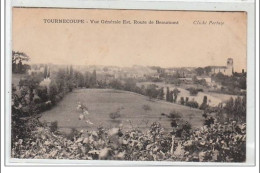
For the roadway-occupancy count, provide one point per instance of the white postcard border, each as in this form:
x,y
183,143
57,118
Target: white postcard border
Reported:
x,y
247,6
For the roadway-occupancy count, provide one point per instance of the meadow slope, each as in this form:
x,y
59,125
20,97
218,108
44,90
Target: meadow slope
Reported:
x,y
101,102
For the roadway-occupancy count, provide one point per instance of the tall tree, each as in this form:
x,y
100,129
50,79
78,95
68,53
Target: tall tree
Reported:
x,y
94,75
171,96
199,71
67,71
49,73
207,70
175,93
45,72
204,105
161,93
186,100
182,101
17,61
151,91
20,66
87,79
93,79
167,94
71,71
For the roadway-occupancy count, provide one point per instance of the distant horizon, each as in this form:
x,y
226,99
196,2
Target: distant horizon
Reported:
x,y
129,66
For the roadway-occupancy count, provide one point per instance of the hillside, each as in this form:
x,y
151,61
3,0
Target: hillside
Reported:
x,y
102,102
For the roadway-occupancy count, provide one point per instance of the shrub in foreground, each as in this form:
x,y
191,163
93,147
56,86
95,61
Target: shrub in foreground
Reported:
x,y
216,143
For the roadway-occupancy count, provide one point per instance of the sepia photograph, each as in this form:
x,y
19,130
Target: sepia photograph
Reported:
x,y
129,85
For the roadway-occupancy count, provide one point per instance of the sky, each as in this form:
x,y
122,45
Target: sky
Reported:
x,y
186,44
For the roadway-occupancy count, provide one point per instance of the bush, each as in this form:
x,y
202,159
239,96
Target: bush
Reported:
x,y
175,115
182,101
53,92
237,108
208,121
216,143
147,108
192,104
41,107
54,127
204,104
200,90
73,135
23,111
115,115
193,91
42,93
116,84
152,91
186,99
59,97
182,129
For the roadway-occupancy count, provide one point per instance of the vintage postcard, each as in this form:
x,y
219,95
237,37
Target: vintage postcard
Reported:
x,y
131,85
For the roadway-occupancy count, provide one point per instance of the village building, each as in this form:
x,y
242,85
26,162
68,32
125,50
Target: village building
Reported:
x,y
226,70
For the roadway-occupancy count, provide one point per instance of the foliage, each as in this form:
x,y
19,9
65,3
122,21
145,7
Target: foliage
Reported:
x,y
167,94
186,99
30,98
147,108
42,92
23,117
78,78
193,91
130,85
115,115
171,97
180,128
214,142
175,93
116,84
152,91
204,104
45,72
54,127
17,62
175,115
192,104
208,119
170,94
160,94
53,92
217,143
199,81
233,83
200,71
182,102
237,108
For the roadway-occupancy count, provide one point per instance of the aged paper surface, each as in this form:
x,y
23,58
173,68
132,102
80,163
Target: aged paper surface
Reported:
x,y
193,39
144,85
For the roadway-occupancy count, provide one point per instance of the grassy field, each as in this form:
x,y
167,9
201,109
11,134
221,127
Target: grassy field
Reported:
x,y
101,102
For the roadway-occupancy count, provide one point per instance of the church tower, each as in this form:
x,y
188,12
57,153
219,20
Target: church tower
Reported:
x,y
230,67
